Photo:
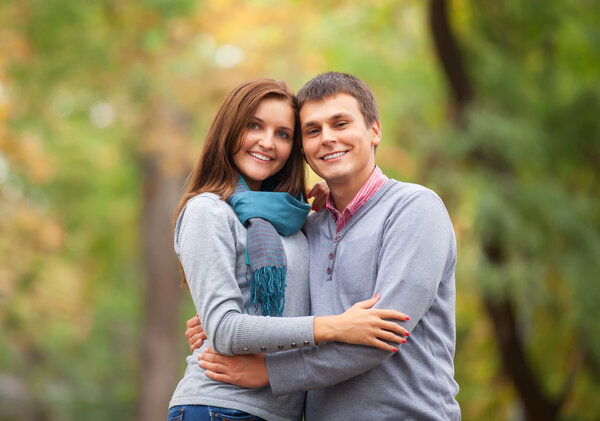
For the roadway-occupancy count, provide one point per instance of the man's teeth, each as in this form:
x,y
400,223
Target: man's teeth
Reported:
x,y
259,156
333,155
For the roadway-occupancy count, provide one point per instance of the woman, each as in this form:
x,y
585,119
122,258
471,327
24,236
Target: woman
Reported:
x,y
238,241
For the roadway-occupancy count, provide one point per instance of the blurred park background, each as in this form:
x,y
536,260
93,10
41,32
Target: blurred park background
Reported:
x,y
494,104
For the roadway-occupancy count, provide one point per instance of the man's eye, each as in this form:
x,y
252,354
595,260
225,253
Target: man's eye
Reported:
x,y
312,132
341,124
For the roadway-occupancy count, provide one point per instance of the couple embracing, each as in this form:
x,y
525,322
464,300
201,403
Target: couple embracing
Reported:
x,y
343,314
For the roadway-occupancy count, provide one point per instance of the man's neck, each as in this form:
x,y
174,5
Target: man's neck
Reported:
x,y
343,192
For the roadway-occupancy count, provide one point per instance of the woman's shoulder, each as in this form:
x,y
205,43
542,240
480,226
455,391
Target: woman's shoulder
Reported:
x,y
204,207
204,198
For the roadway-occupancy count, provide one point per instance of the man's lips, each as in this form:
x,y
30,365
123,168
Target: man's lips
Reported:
x,y
333,155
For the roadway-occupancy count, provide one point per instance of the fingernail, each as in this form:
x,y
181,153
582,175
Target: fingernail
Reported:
x,y
376,295
395,350
407,334
407,318
403,341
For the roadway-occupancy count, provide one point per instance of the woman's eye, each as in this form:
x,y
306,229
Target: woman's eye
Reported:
x,y
283,135
253,125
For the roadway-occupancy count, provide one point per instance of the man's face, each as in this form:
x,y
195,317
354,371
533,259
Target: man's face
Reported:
x,y
338,146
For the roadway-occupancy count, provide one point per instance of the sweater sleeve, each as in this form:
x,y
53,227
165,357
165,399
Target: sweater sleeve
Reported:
x,y
206,246
418,251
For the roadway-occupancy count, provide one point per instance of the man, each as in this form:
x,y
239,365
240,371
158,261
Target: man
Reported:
x,y
376,236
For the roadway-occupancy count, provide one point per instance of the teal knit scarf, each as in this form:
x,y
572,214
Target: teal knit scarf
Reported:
x,y
265,214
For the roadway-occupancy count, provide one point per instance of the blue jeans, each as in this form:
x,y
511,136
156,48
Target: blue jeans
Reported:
x,y
208,413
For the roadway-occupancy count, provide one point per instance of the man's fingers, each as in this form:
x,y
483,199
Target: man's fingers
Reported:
x,y
214,367
211,357
220,377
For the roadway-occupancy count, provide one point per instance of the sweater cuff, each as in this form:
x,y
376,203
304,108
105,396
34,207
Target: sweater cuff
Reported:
x,y
285,372
291,333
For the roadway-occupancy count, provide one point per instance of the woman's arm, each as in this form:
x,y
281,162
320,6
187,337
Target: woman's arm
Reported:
x,y
359,325
205,243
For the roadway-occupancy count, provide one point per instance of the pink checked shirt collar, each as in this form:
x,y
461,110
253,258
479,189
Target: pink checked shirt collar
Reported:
x,y
374,183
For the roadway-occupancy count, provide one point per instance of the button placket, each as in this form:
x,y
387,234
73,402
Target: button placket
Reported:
x,y
332,255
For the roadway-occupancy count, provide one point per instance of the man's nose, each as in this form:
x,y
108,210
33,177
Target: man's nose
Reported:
x,y
328,136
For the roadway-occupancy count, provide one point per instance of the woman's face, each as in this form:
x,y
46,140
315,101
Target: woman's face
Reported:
x,y
267,142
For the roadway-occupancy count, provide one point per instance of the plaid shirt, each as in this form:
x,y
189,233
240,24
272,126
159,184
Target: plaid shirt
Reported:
x,y
374,183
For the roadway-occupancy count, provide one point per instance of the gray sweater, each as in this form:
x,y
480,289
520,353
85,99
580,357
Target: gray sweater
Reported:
x,y
210,242
400,244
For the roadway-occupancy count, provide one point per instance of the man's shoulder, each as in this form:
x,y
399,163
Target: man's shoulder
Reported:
x,y
399,193
404,189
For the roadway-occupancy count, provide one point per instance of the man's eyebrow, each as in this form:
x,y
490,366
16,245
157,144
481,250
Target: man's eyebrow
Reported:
x,y
339,115
330,118
309,124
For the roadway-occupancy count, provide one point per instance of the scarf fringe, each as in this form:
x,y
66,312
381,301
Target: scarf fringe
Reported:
x,y
267,290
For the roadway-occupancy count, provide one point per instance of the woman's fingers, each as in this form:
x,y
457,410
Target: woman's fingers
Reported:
x,y
193,322
384,346
193,331
391,337
389,314
368,303
393,327
197,344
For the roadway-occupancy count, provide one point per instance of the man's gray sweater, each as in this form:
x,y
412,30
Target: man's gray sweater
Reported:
x,y
401,245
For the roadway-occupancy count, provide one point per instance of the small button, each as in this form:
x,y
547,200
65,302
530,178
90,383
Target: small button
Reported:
x,y
306,343
280,346
263,349
330,256
294,345
336,238
328,271
245,349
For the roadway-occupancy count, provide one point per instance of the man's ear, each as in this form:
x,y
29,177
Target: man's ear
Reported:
x,y
375,130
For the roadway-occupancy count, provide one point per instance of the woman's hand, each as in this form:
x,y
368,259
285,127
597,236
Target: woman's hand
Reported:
x,y
194,333
319,191
362,325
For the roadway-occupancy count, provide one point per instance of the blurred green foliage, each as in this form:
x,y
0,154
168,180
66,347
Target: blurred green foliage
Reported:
x,y
78,85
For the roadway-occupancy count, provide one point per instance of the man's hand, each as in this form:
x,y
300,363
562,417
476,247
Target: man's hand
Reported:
x,y
194,333
247,371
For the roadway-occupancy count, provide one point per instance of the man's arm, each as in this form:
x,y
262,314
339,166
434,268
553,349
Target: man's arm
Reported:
x,y
418,251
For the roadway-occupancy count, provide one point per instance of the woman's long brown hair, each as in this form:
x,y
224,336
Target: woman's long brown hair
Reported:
x,y
216,172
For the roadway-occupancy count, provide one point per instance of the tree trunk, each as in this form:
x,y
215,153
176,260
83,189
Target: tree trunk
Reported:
x,y
162,163
512,352
448,54
537,406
